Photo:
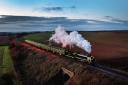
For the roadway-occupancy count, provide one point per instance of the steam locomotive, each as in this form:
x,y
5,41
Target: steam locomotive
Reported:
x,y
61,51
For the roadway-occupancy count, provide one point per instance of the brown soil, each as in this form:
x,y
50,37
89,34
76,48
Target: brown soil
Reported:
x,y
108,45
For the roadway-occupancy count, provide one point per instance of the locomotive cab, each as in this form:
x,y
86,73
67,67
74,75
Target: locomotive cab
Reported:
x,y
93,60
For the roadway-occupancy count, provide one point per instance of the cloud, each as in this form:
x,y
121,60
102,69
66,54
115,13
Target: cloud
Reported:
x,y
115,20
52,8
92,21
56,8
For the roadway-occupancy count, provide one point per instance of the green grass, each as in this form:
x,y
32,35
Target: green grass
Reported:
x,y
39,37
7,61
1,59
6,66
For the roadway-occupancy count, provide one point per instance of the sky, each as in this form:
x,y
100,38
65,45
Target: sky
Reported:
x,y
105,10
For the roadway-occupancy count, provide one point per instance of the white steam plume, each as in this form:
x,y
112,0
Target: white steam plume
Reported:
x,y
73,38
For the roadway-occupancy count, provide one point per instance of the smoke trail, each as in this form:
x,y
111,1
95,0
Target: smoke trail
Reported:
x,y
73,38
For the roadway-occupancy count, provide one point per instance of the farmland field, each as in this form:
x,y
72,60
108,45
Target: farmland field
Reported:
x,y
39,37
1,58
6,64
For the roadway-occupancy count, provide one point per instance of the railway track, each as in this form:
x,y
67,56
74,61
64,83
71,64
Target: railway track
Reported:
x,y
111,72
